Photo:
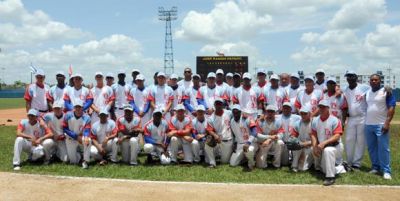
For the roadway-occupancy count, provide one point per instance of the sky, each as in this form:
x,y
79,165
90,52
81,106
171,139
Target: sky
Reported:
x,y
279,35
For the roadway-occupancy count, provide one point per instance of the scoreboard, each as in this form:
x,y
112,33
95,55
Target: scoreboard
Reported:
x,y
233,64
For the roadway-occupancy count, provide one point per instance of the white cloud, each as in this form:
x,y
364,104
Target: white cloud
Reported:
x,y
357,13
19,27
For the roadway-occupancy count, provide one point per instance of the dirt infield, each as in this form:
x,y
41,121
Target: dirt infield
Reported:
x,y
11,117
36,187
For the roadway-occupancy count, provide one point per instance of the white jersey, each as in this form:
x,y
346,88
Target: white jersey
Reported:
x,y
223,87
76,125
161,95
199,127
325,129
264,127
185,84
157,133
190,94
357,105
309,100
241,130
56,94
33,130
37,96
102,97
100,131
292,93
178,95
54,123
275,96
302,131
72,94
377,106
247,99
209,95
175,124
121,94
321,86
288,122
221,124
140,97
124,124
337,104
260,87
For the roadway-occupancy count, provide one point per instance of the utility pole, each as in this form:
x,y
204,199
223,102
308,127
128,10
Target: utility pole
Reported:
x,y
390,76
168,16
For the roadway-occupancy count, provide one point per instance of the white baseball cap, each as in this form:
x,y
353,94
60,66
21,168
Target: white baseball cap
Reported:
x,y
246,76
331,79
160,74
271,108
196,75
320,71
309,77
78,75
324,103
39,72
350,72
219,71
58,104
128,107
157,111
140,77
296,75
99,73
211,75
173,76
179,107
287,103
305,109
229,75
237,75
200,108
104,111
33,112
218,99
135,70
274,77
60,73
79,103
110,75
236,107
261,70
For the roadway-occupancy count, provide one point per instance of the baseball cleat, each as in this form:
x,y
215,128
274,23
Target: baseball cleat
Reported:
x,y
387,176
17,167
329,181
85,165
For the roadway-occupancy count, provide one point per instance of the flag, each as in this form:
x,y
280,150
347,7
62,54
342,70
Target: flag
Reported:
x,y
220,53
33,69
70,70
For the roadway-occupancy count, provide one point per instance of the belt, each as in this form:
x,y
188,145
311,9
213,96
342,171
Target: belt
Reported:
x,y
226,140
118,108
43,111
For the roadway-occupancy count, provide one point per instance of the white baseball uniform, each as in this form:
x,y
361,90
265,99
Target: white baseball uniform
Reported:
x,y
154,135
245,132
71,95
275,96
199,127
129,148
139,98
311,100
321,86
302,159
56,126
293,95
162,96
208,95
247,99
189,98
288,123
121,98
36,95
99,132
177,141
56,94
337,104
101,98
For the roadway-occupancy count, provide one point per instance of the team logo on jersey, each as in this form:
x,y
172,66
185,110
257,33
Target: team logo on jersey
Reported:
x,y
359,97
327,133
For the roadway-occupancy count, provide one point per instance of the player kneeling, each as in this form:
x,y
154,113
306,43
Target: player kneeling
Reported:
x,y
180,127
33,138
199,134
156,139
269,138
104,139
244,131
301,133
129,127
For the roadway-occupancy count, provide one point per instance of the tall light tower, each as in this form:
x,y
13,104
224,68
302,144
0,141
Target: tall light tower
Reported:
x,y
168,16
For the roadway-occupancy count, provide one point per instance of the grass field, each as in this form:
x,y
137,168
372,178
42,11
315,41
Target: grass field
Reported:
x,y
222,173
11,103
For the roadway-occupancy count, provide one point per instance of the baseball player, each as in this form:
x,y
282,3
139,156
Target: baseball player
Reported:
x,y
288,121
207,95
135,73
338,103
77,93
177,91
35,94
219,129
244,131
320,82
109,79
357,107
138,98
269,138
121,90
155,136
162,96
77,129
103,97
186,83
294,89
326,131
219,81
247,96
54,121
302,159
190,93
33,138
180,132
56,92
274,94
130,128
199,125
104,139
309,97
261,79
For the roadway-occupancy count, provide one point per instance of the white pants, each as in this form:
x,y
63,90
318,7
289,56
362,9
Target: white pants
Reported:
x,y
37,152
111,149
239,155
223,149
198,150
276,148
355,143
73,147
60,149
302,159
326,161
179,143
130,149
158,151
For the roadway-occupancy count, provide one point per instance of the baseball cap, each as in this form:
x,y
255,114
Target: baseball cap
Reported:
x,y
160,74
196,75
229,75
110,75
173,76
99,73
157,111
350,72
296,75
247,75
237,75
309,77
39,72
320,71
121,72
218,99
331,79
211,75
324,103
135,70
60,73
236,107
140,77
287,104
78,75
261,70
103,111
128,107
78,103
271,108
58,104
219,71
200,108
305,109
274,77
180,107
33,112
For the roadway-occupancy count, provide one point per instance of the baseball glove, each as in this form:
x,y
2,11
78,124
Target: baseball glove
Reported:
x,y
293,144
210,141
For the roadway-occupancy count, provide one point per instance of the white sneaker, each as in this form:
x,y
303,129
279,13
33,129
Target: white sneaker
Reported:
x,y
387,176
17,168
295,170
373,171
85,165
